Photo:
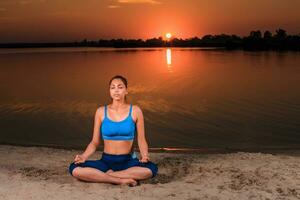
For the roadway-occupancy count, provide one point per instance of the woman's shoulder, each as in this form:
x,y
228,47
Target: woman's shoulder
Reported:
x,y
136,109
100,111
100,108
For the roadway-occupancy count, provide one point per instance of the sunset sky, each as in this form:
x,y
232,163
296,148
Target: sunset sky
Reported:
x,y
74,20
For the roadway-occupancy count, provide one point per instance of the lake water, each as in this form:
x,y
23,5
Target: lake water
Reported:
x,y
191,98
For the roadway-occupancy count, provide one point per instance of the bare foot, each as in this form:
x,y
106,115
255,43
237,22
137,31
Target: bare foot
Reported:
x,y
109,171
128,181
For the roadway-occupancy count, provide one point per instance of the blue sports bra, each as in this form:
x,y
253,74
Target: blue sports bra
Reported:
x,y
122,130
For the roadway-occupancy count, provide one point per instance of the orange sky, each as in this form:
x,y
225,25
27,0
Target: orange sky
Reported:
x,y
70,20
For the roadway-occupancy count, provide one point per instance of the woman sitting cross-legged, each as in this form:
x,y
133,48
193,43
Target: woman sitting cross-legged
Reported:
x,y
117,123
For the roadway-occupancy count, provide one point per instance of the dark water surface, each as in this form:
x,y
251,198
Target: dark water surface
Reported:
x,y
191,98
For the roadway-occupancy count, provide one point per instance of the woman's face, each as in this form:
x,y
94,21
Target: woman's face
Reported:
x,y
117,89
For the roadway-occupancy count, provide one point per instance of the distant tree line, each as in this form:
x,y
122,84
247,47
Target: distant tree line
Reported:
x,y
280,40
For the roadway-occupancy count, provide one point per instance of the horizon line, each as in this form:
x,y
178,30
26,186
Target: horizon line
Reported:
x,y
156,37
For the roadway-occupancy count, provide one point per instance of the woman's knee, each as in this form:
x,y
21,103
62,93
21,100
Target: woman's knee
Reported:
x,y
152,166
77,173
75,169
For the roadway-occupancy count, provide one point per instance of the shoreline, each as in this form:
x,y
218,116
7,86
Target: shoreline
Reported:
x,y
181,150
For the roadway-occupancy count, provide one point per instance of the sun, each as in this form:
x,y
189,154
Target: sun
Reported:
x,y
168,35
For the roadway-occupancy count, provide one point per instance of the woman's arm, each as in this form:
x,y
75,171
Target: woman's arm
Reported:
x,y
93,145
141,138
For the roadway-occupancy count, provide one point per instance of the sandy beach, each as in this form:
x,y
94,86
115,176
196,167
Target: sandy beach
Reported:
x,y
42,173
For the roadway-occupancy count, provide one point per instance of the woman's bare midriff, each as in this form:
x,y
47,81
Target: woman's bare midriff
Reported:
x,y
117,147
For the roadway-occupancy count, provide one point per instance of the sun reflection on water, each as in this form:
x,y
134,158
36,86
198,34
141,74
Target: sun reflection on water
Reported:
x,y
169,59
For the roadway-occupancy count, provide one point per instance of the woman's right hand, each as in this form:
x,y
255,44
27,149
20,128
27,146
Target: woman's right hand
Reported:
x,y
79,159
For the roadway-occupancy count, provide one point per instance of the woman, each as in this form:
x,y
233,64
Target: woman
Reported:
x,y
117,123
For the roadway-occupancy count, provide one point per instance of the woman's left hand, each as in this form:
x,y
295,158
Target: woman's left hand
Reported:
x,y
144,159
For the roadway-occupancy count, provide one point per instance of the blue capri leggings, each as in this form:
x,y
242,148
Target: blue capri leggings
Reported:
x,y
115,162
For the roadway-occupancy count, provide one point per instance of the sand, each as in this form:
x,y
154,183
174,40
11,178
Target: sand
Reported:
x,y
42,173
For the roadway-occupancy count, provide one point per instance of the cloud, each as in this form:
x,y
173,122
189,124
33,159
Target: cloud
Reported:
x,y
139,1
113,6
153,2
59,13
25,2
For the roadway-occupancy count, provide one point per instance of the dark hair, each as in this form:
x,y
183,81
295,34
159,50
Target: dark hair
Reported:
x,y
119,77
